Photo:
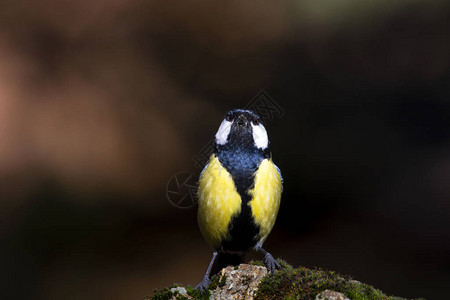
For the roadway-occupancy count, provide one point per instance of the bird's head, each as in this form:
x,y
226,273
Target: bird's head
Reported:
x,y
243,129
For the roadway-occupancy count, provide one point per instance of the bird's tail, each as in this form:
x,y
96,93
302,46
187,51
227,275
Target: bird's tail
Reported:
x,y
225,259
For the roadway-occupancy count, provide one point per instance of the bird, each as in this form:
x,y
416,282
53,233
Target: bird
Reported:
x,y
239,193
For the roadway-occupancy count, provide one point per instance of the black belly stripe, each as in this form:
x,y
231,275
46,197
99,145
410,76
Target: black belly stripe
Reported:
x,y
242,164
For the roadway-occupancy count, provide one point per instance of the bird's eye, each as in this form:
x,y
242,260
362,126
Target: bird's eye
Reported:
x,y
229,118
256,122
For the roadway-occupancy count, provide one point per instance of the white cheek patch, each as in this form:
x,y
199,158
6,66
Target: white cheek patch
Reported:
x,y
223,132
260,136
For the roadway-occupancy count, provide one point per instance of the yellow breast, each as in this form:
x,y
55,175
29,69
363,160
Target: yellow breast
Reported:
x,y
266,197
218,201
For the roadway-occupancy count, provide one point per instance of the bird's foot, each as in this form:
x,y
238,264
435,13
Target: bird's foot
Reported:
x,y
203,285
271,263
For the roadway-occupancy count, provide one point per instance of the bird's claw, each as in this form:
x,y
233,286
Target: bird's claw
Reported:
x,y
271,263
203,285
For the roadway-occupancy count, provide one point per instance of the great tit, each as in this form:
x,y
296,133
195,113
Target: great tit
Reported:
x,y
239,193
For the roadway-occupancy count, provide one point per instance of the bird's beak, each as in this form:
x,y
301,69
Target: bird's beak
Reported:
x,y
241,120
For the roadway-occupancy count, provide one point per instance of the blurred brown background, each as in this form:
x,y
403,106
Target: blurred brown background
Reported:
x,y
102,102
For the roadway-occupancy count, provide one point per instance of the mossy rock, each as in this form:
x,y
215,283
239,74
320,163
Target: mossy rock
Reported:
x,y
304,283
287,283
172,292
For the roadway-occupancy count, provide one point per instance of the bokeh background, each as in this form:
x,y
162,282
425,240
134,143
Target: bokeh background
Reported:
x,y
102,102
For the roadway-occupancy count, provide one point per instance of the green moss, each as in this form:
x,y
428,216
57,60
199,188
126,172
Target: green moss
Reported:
x,y
256,263
163,294
167,294
223,281
217,281
303,283
196,294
